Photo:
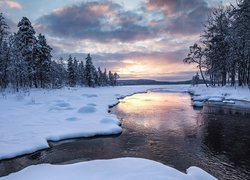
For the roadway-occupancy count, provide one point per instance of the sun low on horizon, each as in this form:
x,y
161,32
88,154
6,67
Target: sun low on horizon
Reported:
x,y
137,39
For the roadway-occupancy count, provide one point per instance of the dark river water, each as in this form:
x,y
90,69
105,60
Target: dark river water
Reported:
x,y
162,127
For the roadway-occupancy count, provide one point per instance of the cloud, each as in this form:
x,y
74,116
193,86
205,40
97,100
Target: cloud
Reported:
x,y
100,21
107,21
150,40
180,16
10,4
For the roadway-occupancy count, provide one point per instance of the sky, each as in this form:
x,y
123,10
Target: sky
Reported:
x,y
139,39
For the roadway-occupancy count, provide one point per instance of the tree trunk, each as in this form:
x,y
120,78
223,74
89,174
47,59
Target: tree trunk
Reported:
x,y
203,76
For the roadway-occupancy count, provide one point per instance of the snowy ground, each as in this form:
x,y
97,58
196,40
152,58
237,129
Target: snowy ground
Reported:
x,y
224,95
28,120
122,169
227,93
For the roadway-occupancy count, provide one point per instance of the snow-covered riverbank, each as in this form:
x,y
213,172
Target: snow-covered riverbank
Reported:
x,y
225,95
122,169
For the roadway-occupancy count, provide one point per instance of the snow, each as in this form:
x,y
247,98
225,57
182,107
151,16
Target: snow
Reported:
x,y
216,99
227,92
28,120
229,101
122,169
200,98
197,104
227,95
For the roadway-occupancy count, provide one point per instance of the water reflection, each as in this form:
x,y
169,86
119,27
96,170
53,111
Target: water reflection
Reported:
x,y
162,127
227,133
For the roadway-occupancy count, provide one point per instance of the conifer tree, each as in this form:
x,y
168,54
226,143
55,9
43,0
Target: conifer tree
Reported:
x,y
25,40
43,62
81,73
4,52
89,73
71,72
111,79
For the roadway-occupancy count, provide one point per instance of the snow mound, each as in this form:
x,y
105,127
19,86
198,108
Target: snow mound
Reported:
x,y
87,109
197,173
200,98
216,99
122,169
197,104
229,101
62,104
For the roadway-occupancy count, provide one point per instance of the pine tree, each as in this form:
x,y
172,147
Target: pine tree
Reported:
x,y
195,79
89,73
116,77
71,72
76,70
17,65
105,78
81,73
4,52
43,62
240,41
111,79
99,77
217,48
25,41
59,76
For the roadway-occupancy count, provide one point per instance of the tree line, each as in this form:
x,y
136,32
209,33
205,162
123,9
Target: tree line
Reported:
x,y
223,53
26,62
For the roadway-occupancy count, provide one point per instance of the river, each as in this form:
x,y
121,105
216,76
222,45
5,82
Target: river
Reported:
x,y
163,127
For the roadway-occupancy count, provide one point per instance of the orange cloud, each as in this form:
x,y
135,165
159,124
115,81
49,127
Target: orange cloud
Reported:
x,y
10,4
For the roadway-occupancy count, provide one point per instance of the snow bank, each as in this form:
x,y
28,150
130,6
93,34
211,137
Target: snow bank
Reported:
x,y
227,92
28,120
122,169
216,99
197,104
226,95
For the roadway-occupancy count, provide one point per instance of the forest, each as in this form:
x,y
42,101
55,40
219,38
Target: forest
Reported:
x,y
26,62
223,53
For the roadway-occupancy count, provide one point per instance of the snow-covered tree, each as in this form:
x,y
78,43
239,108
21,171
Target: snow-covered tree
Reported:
x,y
71,72
116,77
43,62
81,70
59,76
105,77
25,41
99,77
240,40
217,48
196,55
4,52
111,79
195,79
89,73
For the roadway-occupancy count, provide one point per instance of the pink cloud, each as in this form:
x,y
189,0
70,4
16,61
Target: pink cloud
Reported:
x,y
10,4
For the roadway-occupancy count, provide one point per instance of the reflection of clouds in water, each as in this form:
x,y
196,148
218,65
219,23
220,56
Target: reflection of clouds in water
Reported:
x,y
156,110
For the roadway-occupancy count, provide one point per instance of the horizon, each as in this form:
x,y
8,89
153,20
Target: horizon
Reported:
x,y
143,39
